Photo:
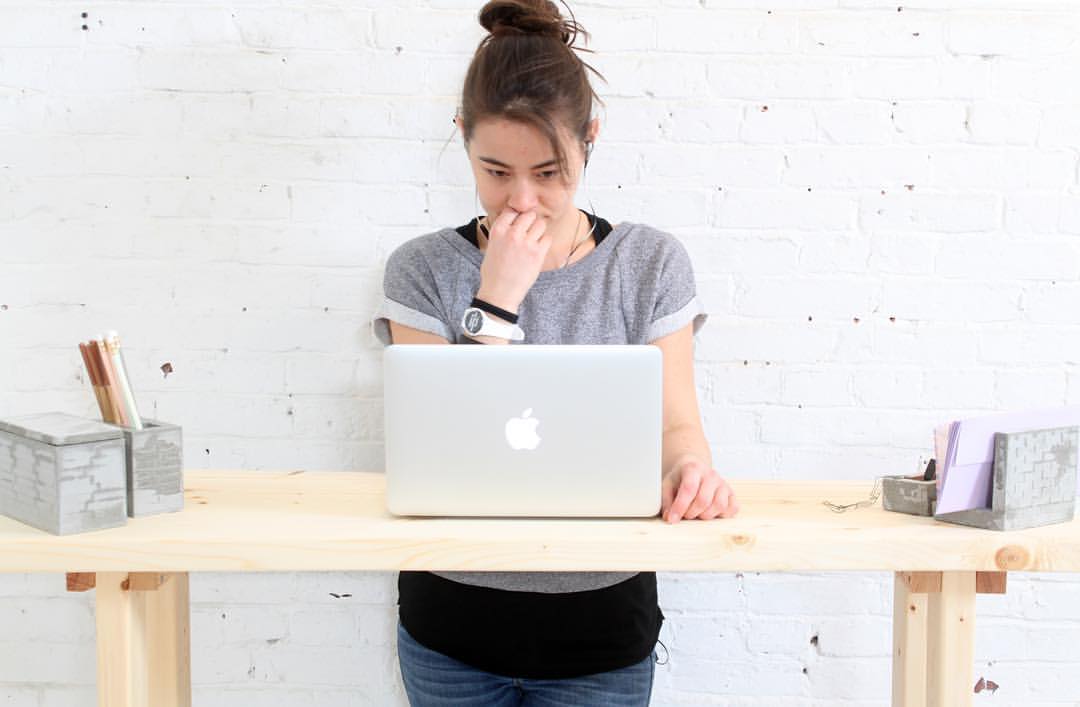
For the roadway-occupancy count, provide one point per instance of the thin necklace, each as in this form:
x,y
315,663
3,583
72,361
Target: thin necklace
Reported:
x,y
588,234
578,244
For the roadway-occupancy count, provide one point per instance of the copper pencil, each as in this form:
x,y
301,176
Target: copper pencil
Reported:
x,y
111,385
95,380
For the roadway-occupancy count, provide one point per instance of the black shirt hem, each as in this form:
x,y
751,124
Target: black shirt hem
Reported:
x,y
533,635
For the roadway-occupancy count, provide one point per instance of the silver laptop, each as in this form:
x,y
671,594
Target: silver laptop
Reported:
x,y
523,430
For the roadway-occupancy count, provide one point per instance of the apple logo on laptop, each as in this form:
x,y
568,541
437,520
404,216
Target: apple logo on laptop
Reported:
x,y
521,431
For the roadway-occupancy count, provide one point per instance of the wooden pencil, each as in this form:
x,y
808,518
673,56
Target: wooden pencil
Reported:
x,y
108,376
95,380
109,414
127,398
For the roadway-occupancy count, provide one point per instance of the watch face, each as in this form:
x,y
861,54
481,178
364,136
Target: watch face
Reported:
x,y
474,321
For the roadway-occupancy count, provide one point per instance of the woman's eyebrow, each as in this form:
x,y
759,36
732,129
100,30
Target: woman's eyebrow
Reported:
x,y
492,160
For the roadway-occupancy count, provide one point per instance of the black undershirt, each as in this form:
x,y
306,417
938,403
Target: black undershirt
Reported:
x,y
603,228
532,634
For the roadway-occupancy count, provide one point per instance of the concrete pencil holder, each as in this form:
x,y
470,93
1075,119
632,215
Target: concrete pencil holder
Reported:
x,y
153,468
909,494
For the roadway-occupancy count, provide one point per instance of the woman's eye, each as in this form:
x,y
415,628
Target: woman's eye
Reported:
x,y
496,173
550,174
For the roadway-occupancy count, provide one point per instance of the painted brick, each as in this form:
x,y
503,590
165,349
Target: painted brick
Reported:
x,y
205,157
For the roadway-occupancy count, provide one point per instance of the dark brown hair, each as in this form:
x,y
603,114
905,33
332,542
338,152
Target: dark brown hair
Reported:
x,y
527,70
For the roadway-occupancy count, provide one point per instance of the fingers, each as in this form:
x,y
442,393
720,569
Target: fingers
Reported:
x,y
535,232
514,222
704,498
524,227
521,224
723,503
667,496
503,220
730,506
689,483
700,494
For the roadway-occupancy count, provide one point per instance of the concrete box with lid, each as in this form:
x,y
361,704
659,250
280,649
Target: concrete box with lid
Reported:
x,y
62,473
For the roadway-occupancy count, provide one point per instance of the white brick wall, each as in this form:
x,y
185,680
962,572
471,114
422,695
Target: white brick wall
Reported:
x,y
881,200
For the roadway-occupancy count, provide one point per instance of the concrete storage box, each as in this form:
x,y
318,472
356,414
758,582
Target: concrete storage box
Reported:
x,y
61,473
153,468
1034,481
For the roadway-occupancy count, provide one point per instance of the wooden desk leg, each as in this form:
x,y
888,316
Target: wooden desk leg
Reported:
x,y
143,640
909,643
950,651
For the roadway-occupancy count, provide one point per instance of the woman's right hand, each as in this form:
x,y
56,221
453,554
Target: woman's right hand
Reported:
x,y
515,253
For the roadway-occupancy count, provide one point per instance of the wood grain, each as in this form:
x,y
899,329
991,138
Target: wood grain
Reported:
x,y
143,640
950,646
909,642
248,521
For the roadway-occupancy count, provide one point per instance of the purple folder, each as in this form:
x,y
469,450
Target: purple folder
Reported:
x,y
967,473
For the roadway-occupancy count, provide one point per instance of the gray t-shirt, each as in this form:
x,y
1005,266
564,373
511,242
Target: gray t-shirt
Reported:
x,y
633,288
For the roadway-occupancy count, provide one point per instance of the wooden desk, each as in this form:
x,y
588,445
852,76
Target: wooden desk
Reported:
x,y
253,521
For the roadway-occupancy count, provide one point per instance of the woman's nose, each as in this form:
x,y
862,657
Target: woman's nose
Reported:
x,y
522,196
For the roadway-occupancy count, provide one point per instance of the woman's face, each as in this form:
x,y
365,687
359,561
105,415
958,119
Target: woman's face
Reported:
x,y
514,166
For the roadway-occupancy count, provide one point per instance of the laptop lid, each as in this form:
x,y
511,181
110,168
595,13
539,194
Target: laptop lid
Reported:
x,y
523,430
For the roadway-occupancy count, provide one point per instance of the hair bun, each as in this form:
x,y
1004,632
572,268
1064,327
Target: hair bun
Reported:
x,y
520,17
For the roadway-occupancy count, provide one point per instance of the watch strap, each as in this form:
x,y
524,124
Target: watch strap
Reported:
x,y
492,309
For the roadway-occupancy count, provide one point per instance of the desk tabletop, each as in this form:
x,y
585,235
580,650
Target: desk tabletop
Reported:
x,y
238,521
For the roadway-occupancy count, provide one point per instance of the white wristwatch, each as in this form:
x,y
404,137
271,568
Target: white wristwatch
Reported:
x,y
476,322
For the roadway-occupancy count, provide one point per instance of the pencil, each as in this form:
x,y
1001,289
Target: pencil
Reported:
x,y
108,414
109,379
127,398
95,381
95,364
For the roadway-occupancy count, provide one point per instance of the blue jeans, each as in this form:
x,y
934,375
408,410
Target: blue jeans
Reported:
x,y
434,680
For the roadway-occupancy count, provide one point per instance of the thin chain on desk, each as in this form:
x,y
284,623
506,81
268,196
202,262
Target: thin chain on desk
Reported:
x,y
875,493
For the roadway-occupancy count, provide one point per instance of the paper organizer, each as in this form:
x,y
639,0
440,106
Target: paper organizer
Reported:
x,y
1033,483
66,474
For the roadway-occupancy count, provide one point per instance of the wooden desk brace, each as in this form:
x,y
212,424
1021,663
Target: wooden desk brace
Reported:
x,y
934,636
143,637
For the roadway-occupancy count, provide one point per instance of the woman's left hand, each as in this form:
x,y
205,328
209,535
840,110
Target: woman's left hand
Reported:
x,y
694,490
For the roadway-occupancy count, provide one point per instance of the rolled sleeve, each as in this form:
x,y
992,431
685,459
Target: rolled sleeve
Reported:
x,y
693,311
411,294
389,310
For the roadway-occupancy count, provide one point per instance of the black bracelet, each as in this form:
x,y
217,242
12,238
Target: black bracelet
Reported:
x,y
492,309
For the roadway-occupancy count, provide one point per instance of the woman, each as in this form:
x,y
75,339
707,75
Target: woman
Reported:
x,y
537,270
